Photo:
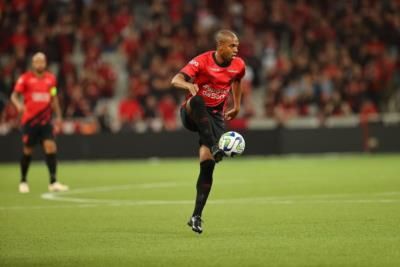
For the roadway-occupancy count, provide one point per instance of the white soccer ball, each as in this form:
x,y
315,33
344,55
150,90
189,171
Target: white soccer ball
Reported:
x,y
232,143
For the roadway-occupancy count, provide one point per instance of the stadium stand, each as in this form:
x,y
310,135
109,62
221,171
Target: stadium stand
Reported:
x,y
307,60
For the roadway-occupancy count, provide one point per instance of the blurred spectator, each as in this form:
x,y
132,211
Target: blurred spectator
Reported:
x,y
130,112
368,110
309,62
9,119
167,108
78,107
247,88
152,114
102,114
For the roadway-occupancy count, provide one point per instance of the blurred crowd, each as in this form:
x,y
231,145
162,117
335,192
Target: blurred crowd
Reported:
x,y
304,57
331,58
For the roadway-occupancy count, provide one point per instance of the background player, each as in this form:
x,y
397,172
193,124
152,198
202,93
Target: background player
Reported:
x,y
209,78
39,92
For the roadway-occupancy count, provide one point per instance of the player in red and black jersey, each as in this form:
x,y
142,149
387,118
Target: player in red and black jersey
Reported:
x,y
39,92
209,78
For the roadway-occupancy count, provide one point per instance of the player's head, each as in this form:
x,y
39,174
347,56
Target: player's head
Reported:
x,y
227,44
39,62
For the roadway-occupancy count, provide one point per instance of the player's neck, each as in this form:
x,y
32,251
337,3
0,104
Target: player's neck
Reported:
x,y
219,60
38,74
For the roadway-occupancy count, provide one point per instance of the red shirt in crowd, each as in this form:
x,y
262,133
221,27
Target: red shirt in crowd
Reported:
x,y
130,110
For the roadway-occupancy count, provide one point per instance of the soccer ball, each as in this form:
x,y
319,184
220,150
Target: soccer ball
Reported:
x,y
232,143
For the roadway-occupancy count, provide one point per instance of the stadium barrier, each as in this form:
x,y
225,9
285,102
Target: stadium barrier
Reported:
x,y
371,137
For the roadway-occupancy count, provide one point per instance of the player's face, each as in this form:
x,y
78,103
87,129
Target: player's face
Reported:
x,y
229,48
39,63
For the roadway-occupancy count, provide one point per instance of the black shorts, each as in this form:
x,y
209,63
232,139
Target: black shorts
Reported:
x,y
32,135
216,121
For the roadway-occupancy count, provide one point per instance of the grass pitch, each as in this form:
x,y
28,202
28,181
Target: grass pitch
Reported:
x,y
274,211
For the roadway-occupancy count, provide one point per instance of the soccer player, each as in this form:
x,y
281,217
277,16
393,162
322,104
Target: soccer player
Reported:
x,y
209,78
39,92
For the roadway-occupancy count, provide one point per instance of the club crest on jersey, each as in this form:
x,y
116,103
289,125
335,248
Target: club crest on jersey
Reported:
x,y
194,62
32,80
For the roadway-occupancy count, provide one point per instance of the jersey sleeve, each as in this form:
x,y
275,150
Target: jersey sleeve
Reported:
x,y
20,84
54,80
242,72
193,67
53,87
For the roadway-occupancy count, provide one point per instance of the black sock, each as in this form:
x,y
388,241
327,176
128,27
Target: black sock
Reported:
x,y
24,164
204,184
200,117
51,162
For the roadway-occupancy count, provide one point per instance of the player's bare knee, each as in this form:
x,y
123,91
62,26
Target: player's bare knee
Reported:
x,y
27,150
50,147
205,154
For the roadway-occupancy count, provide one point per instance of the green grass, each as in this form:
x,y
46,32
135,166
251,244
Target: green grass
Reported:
x,y
275,211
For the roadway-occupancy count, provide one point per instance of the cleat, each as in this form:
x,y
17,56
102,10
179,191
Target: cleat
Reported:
x,y
58,187
23,188
195,224
217,153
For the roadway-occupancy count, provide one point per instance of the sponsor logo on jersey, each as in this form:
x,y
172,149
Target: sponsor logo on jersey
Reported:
x,y
215,69
214,93
40,97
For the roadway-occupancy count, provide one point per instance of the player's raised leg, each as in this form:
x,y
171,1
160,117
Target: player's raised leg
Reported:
x,y
198,112
50,149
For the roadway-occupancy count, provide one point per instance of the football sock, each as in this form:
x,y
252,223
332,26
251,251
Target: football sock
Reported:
x,y
51,162
200,117
203,186
24,163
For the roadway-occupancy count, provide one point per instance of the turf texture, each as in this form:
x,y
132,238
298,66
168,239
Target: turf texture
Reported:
x,y
323,210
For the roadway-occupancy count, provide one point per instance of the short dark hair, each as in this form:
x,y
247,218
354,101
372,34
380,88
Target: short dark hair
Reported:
x,y
221,36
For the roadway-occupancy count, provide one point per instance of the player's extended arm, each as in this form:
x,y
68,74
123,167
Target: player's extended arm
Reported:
x,y
57,110
237,96
16,100
56,107
179,82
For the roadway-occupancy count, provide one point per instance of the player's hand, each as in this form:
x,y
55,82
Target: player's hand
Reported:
x,y
193,88
57,125
231,114
20,108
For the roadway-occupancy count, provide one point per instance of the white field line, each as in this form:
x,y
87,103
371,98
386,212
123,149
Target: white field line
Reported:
x,y
82,202
256,201
119,188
